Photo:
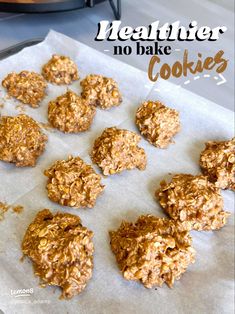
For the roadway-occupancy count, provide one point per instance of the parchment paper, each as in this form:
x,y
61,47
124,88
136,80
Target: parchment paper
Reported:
x,y
207,286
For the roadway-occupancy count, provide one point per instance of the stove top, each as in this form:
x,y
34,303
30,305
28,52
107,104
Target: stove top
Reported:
x,y
46,6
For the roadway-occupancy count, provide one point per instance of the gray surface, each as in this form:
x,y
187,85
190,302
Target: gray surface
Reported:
x,y
82,25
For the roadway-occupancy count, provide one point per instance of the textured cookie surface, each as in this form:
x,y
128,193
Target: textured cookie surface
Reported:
x,y
117,150
193,199
153,250
70,113
21,140
101,91
60,70
28,87
73,183
61,250
218,162
157,123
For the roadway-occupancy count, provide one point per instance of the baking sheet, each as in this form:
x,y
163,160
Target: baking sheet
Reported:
x,y
207,286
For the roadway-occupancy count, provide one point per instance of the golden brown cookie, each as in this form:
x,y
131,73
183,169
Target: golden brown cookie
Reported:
x,y
73,183
117,150
60,70
61,250
28,87
153,250
21,140
218,162
70,113
157,123
101,91
193,199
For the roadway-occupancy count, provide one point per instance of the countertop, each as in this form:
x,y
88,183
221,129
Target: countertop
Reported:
x,y
82,25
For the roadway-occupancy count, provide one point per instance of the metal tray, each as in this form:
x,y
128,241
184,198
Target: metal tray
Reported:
x,y
5,53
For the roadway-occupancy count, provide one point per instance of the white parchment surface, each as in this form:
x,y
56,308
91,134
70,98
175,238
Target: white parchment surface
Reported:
x,y
207,286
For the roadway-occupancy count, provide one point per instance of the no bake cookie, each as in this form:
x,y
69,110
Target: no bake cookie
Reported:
x,y
218,162
21,140
61,250
157,123
60,70
101,91
193,199
153,250
28,87
117,150
70,113
73,183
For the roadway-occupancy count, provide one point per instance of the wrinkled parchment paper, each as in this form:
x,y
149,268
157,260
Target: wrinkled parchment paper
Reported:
x,y
207,286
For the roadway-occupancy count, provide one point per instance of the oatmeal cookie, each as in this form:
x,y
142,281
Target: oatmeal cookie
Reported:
x,y
60,70
157,123
193,199
73,183
28,87
218,162
101,91
21,140
70,113
153,250
61,250
116,150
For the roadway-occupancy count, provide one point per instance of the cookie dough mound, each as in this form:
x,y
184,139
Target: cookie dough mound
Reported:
x,y
153,250
193,199
70,113
218,163
116,150
60,70
73,183
61,250
157,123
28,87
101,91
21,140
